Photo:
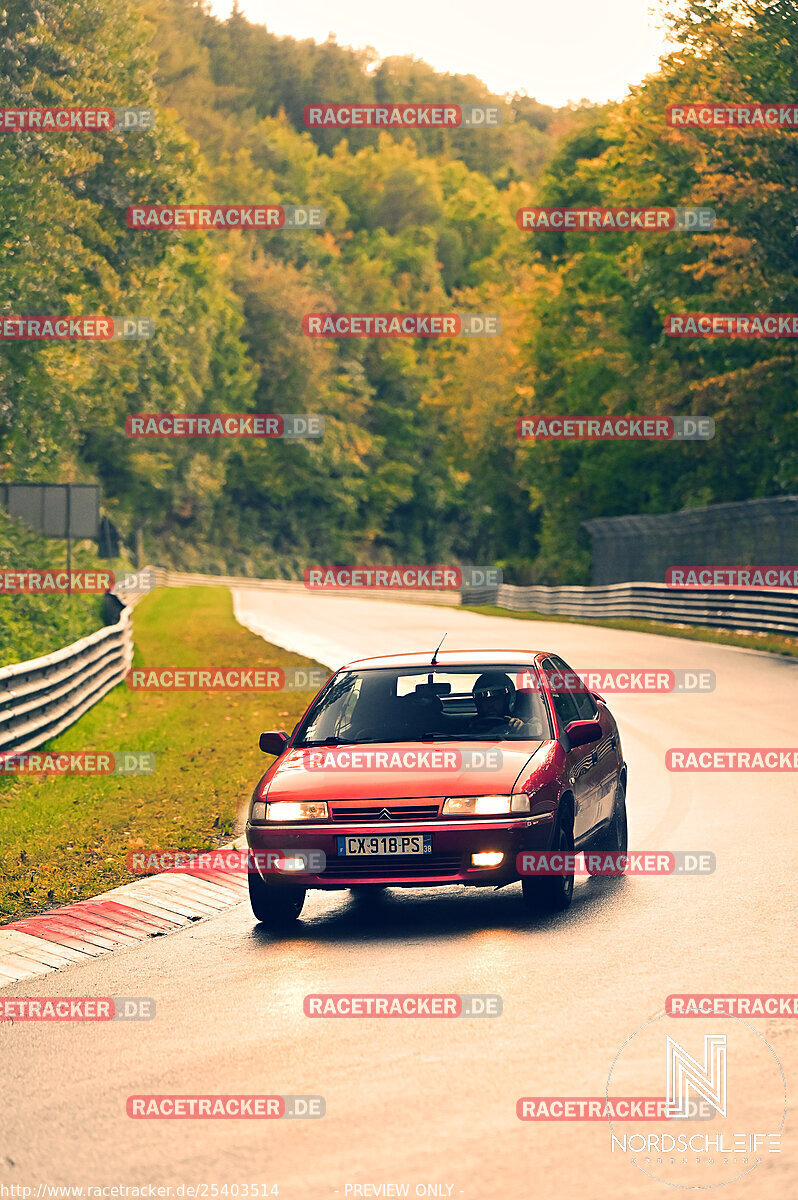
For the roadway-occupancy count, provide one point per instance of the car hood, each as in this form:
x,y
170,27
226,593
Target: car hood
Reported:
x,y
356,773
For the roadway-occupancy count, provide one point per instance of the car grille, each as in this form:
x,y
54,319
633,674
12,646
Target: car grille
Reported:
x,y
394,867
376,812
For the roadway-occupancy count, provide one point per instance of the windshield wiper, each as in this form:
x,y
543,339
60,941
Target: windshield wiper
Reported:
x,y
488,735
330,741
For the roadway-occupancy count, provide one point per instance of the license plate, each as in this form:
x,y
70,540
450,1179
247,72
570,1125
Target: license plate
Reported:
x,y
381,844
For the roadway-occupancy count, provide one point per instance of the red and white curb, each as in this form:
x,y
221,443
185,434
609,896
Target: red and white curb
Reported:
x,y
149,907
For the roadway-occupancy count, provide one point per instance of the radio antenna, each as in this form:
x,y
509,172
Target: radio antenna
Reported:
x,y
440,643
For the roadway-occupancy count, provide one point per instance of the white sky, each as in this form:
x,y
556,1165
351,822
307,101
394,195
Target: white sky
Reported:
x,y
555,50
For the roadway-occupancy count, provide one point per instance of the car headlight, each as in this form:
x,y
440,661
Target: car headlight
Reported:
x,y
289,810
485,806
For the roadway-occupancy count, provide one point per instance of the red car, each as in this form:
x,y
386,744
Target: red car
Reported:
x,y
421,770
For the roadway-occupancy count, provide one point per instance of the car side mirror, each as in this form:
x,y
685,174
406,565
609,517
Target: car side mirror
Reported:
x,y
582,732
273,743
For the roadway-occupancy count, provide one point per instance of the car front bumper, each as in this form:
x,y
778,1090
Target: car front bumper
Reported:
x,y
453,844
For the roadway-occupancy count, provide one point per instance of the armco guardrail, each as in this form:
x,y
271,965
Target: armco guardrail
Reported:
x,y
759,611
43,696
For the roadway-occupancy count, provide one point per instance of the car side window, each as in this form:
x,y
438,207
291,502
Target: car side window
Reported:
x,y
563,700
585,704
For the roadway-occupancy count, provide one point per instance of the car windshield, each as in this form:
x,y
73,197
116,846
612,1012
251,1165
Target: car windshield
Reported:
x,y
418,704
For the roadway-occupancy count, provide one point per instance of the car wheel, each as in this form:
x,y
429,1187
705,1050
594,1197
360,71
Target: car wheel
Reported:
x,y
616,838
552,893
620,829
275,905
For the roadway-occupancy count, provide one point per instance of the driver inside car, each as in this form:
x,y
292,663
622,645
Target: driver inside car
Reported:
x,y
494,698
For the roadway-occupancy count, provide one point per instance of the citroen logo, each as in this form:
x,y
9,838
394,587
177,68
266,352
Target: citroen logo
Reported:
x,y
385,815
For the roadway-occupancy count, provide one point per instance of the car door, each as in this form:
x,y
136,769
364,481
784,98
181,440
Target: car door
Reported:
x,y
606,762
581,760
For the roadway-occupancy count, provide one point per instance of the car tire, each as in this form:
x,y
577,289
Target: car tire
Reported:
x,y
615,839
552,893
275,905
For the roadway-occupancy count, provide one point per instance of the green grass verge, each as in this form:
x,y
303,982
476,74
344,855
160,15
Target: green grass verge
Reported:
x,y
772,643
66,838
32,625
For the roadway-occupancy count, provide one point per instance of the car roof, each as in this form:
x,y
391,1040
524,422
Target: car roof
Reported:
x,y
450,658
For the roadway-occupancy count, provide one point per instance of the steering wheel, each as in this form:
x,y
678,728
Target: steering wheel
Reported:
x,y
362,733
494,722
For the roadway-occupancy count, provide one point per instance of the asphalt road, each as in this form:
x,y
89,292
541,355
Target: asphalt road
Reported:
x,y
433,1102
